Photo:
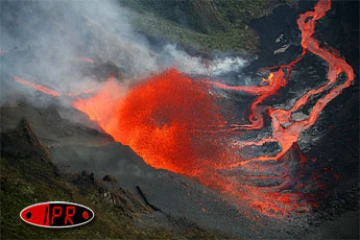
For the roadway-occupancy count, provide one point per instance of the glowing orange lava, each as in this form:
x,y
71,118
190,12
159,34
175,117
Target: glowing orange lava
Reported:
x,y
37,87
85,59
48,90
287,136
103,106
169,120
174,123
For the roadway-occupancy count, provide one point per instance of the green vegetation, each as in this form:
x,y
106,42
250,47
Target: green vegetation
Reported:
x,y
204,26
28,177
234,40
241,12
21,187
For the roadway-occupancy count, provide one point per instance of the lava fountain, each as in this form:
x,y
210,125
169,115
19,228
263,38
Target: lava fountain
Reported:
x,y
175,123
171,121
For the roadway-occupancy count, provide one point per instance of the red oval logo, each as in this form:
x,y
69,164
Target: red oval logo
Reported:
x,y
57,214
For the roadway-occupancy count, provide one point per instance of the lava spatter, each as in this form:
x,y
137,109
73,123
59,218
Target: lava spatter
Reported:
x,y
174,123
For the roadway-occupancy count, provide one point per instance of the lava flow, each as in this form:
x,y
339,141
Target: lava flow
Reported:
x,y
286,136
174,123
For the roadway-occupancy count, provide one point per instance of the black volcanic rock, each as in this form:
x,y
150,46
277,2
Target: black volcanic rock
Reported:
x,y
22,142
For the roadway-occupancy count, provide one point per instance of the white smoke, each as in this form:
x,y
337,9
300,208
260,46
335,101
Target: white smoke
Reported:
x,y
41,40
197,65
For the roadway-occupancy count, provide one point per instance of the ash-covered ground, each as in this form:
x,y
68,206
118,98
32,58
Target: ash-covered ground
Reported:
x,y
76,144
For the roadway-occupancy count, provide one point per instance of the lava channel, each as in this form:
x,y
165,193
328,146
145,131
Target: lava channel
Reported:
x,y
174,123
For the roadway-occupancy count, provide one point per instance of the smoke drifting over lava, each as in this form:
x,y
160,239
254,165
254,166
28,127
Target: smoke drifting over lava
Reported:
x,y
176,123
54,43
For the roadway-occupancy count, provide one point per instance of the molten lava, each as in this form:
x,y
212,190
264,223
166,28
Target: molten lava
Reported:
x,y
287,136
169,120
174,123
37,87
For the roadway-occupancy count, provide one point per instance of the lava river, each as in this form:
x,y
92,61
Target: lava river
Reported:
x,y
176,123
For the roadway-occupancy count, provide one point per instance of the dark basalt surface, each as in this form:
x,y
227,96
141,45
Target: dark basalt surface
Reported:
x,y
332,143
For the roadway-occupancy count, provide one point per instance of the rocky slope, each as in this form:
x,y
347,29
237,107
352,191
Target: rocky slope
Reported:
x,y
28,176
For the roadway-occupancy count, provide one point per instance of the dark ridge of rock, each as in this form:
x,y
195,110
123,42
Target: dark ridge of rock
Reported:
x,y
85,181
28,176
51,123
110,178
143,196
87,184
22,149
22,142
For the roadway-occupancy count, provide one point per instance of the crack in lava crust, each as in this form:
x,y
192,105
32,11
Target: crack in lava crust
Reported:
x,y
174,123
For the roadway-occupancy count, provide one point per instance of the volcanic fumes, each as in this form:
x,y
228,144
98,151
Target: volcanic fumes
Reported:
x,y
171,121
176,123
